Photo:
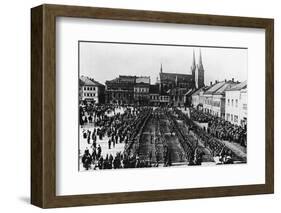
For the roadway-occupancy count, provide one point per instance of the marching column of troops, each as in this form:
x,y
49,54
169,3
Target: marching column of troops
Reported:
x,y
128,126
119,128
210,141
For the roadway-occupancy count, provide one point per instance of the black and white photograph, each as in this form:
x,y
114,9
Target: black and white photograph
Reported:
x,y
146,105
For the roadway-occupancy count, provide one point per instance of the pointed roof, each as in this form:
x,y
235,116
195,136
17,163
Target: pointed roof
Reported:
x,y
220,87
200,63
202,89
226,86
215,87
239,86
200,57
86,81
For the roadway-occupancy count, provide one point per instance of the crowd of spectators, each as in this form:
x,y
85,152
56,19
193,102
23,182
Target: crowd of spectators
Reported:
x,y
119,128
220,128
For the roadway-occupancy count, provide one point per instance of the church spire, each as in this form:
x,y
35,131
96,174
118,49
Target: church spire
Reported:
x,y
200,80
193,69
200,58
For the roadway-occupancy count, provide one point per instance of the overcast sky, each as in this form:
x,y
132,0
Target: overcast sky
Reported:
x,y
106,61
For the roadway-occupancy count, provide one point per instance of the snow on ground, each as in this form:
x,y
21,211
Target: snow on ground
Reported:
x,y
83,144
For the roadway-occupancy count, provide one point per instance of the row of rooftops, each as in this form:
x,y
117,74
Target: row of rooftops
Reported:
x,y
130,79
176,77
139,79
221,87
86,81
213,89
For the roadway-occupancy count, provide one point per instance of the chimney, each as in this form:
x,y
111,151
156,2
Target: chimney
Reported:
x,y
224,80
232,79
216,81
211,83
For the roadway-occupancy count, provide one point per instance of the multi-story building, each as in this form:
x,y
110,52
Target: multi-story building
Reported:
x,y
174,89
214,98
236,104
141,93
198,98
91,90
120,90
154,95
164,99
178,96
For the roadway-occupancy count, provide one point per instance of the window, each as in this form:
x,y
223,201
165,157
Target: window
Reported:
x,y
228,102
236,103
227,116
231,103
235,118
231,117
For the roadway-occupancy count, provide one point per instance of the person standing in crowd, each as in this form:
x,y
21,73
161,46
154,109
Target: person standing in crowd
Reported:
x,y
87,159
109,144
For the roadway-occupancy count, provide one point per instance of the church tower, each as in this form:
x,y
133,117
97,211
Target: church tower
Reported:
x,y
200,69
193,69
160,80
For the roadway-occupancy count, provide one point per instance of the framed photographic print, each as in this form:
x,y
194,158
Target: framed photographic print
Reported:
x,y
137,106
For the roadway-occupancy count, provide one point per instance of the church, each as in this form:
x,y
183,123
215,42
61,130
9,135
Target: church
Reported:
x,y
179,86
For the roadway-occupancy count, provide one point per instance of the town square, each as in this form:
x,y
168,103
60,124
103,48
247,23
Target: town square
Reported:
x,y
129,121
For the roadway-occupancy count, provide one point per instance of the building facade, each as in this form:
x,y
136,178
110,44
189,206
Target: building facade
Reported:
x,y
178,96
236,104
141,93
120,90
214,98
154,96
198,98
90,90
173,89
164,99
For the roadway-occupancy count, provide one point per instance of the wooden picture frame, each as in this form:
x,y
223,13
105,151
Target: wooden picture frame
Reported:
x,y
43,105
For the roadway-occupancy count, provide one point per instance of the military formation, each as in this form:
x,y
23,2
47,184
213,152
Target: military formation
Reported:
x,y
152,137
